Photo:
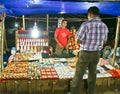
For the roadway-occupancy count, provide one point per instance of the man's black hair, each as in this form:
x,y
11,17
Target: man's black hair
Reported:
x,y
64,20
0,20
93,10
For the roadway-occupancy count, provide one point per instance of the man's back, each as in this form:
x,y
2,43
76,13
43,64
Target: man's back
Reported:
x,y
92,33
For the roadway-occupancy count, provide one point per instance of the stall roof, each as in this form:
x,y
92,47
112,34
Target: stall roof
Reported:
x,y
29,7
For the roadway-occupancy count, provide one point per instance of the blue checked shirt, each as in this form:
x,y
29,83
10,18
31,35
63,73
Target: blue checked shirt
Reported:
x,y
92,33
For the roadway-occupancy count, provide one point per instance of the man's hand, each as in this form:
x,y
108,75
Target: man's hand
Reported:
x,y
60,44
78,41
67,51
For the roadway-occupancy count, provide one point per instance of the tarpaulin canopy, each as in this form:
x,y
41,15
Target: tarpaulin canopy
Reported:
x,y
29,7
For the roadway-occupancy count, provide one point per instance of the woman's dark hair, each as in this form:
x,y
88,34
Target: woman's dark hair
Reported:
x,y
17,51
93,10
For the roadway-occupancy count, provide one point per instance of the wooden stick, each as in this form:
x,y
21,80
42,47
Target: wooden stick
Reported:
x,y
116,41
23,20
3,29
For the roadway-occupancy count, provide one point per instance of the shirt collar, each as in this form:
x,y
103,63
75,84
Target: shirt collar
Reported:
x,y
95,18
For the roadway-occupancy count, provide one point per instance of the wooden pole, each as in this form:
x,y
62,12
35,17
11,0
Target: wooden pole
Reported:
x,y
116,41
23,20
3,30
47,27
16,39
5,41
1,55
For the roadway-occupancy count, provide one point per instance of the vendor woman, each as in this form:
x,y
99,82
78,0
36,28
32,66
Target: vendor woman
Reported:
x,y
14,56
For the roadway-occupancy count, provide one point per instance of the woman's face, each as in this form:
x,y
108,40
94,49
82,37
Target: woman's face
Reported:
x,y
17,53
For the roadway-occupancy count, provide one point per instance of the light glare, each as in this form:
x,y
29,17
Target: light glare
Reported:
x,y
35,31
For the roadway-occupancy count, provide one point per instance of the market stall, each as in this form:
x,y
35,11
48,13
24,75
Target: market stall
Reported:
x,y
51,75
31,73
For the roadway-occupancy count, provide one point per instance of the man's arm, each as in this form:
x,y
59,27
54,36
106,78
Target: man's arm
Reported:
x,y
58,41
78,41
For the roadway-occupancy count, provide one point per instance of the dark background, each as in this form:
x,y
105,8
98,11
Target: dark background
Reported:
x,y
74,20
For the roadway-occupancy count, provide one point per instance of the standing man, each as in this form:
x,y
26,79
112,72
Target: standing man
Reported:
x,y
61,36
91,35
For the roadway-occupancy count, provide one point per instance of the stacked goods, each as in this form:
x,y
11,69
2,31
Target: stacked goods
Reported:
x,y
41,69
36,56
48,73
22,57
34,70
16,70
32,45
73,45
25,42
63,71
46,61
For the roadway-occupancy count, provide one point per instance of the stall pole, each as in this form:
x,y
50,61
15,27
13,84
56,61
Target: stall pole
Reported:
x,y
5,40
116,41
3,30
47,27
16,40
23,21
47,23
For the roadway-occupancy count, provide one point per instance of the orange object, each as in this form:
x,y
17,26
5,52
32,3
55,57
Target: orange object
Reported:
x,y
114,72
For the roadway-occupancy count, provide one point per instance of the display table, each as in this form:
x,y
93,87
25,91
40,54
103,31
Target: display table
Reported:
x,y
52,77
103,85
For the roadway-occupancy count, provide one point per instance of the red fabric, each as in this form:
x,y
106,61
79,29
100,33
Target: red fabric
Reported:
x,y
62,34
114,72
2,80
48,51
22,30
104,61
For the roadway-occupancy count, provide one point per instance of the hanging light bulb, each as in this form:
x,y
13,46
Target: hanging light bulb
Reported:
x,y
62,9
35,32
16,24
